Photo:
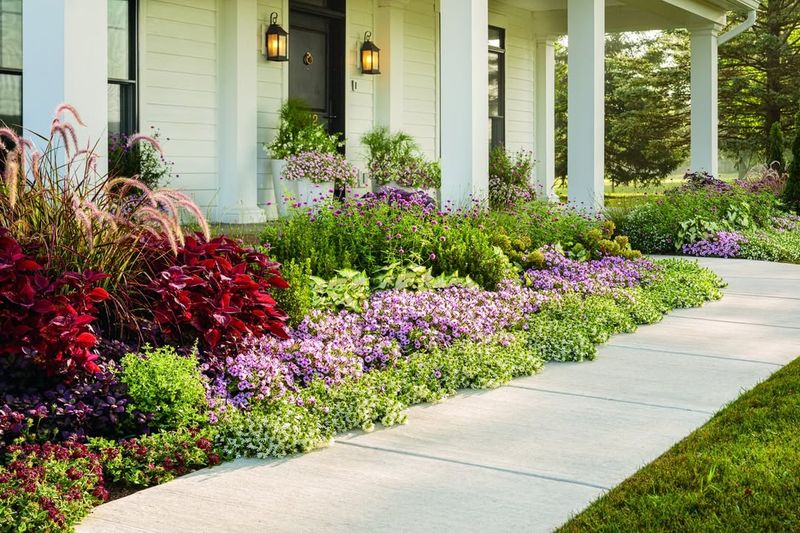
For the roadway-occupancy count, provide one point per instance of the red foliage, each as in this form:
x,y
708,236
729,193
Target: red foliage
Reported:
x,y
220,290
46,320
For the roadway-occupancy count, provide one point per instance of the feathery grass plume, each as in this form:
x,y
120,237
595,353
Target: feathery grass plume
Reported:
x,y
141,137
186,202
11,177
131,183
98,214
68,108
151,215
85,222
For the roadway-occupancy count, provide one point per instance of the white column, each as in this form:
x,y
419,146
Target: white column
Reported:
x,y
705,148
464,100
389,31
586,101
545,119
65,60
238,111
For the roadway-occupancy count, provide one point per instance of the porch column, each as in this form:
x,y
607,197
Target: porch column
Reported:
x,y
464,101
65,60
705,148
586,129
545,118
238,111
389,31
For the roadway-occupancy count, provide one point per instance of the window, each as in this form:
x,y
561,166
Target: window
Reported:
x,y
497,86
122,65
11,63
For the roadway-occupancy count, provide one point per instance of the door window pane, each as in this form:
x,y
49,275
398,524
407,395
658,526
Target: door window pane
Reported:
x,y
494,84
11,100
114,109
11,34
118,40
497,64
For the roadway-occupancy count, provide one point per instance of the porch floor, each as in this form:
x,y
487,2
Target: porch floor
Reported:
x,y
522,457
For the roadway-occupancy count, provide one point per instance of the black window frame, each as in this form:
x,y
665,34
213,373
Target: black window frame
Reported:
x,y
497,131
129,88
12,71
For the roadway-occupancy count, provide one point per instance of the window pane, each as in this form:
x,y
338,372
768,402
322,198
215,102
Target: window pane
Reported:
x,y
114,108
118,40
494,84
11,33
496,38
11,100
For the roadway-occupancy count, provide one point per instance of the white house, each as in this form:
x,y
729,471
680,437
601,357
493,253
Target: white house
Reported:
x,y
454,73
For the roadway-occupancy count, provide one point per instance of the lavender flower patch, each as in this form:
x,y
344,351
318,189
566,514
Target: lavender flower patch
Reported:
x,y
596,277
720,244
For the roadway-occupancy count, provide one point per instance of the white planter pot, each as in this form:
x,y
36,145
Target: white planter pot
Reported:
x,y
309,193
283,188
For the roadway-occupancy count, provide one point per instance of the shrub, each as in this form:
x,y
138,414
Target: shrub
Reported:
x,y
598,317
296,299
509,178
776,148
157,458
166,385
48,487
219,291
683,284
348,290
791,195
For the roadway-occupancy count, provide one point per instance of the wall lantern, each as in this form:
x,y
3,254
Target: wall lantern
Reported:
x,y
370,56
277,40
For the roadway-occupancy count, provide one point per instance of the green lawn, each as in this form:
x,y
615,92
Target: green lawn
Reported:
x,y
739,472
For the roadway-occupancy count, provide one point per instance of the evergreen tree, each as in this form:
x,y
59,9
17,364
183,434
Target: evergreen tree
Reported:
x,y
791,194
775,149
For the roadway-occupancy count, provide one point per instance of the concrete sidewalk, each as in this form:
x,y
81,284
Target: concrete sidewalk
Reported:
x,y
520,458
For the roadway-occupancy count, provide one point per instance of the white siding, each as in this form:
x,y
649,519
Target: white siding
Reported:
x,y
359,103
178,89
420,91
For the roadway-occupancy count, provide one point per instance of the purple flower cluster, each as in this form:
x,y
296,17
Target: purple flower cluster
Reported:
x,y
596,277
399,198
319,167
720,244
702,180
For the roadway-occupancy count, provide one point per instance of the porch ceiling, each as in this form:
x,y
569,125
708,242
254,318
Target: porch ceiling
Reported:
x,y
550,16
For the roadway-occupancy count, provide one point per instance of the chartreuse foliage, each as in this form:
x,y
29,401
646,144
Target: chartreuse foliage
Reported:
x,y
739,472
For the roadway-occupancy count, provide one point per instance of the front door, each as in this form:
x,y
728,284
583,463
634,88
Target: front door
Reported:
x,y
316,58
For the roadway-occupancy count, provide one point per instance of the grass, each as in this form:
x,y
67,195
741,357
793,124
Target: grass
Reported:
x,y
739,472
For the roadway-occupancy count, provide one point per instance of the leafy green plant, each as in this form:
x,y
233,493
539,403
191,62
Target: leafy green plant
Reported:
x,y
142,161
168,386
395,157
771,245
415,278
776,148
347,290
560,341
300,131
509,178
296,300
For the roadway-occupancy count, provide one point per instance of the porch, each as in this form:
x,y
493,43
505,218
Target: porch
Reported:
x,y
202,80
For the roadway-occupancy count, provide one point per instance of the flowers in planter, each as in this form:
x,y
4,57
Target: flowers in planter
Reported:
x,y
509,178
320,167
395,159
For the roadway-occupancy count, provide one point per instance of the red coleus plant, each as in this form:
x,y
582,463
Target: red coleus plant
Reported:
x,y
43,319
219,290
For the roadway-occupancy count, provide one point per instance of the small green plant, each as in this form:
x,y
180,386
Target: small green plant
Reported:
x,y
296,300
395,157
141,161
348,290
416,278
300,131
509,178
168,386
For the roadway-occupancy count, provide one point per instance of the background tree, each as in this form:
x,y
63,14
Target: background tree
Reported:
x,y
791,194
760,81
647,114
